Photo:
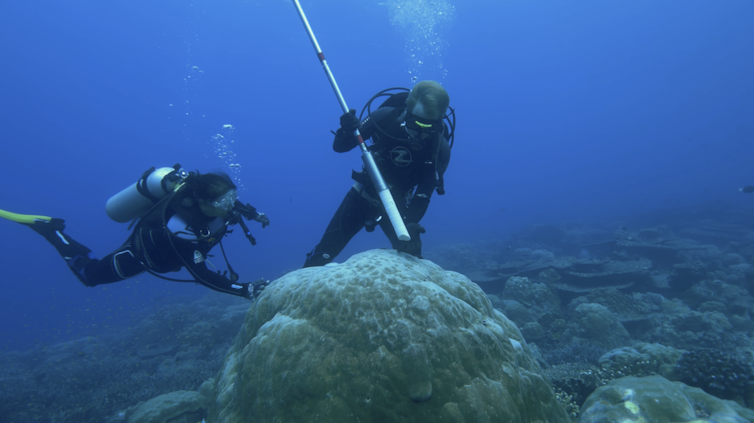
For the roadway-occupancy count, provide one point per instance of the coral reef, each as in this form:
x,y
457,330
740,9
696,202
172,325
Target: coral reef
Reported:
x,y
718,374
654,399
94,379
169,408
659,293
381,337
576,353
588,305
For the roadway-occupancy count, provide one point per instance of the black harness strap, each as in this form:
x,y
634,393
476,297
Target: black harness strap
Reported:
x,y
141,185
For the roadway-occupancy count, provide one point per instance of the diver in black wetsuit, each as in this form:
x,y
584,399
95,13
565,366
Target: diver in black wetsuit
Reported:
x,y
178,231
411,146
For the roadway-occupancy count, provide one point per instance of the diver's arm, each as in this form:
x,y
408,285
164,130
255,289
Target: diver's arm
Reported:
x,y
345,141
204,275
443,160
420,202
216,281
431,180
247,210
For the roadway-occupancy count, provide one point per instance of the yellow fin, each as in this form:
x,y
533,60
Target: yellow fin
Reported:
x,y
23,218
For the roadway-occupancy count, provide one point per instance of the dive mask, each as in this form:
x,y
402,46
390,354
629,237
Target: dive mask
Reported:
x,y
419,128
227,201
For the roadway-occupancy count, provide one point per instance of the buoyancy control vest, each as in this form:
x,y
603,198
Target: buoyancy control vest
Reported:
x,y
390,141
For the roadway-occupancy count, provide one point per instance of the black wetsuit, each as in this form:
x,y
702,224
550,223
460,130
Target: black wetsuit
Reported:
x,y
152,247
411,174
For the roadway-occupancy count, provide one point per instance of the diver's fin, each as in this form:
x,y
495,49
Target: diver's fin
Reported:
x,y
27,219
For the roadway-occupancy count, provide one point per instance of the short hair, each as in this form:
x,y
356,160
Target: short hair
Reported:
x,y
210,186
431,95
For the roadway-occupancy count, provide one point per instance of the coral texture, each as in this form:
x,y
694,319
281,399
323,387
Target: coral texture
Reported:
x,y
654,399
381,337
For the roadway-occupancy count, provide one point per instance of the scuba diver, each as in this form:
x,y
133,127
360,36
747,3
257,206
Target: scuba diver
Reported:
x,y
411,146
178,217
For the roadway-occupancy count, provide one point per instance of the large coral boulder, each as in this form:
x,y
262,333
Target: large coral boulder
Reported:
x,y
654,399
382,337
596,324
178,406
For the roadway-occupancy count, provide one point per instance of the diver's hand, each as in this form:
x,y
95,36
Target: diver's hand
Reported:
x,y
247,210
349,122
413,247
263,219
255,288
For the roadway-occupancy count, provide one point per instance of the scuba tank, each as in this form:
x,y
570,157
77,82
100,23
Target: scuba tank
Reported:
x,y
137,199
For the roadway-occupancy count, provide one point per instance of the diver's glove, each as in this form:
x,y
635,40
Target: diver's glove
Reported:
x,y
263,219
413,247
250,213
349,122
247,210
255,288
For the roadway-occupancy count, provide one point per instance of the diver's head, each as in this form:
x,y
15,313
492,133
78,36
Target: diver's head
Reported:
x,y
215,193
425,108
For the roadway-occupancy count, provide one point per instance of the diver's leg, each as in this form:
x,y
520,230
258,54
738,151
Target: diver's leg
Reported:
x,y
114,267
347,222
413,247
76,255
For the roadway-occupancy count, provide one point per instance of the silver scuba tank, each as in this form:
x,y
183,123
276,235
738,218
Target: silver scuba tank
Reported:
x,y
137,199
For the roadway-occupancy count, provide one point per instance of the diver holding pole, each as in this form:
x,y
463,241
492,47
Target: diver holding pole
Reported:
x,y
369,164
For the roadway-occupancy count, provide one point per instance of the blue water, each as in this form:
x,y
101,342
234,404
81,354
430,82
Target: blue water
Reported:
x,y
567,111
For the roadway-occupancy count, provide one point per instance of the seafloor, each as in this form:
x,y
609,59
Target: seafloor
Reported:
x,y
666,293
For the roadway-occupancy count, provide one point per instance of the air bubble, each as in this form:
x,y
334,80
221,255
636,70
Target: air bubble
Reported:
x,y
221,143
423,24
